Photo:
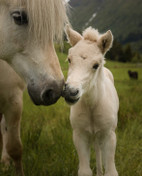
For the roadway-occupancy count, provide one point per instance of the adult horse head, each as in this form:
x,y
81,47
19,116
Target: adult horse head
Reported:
x,y
27,31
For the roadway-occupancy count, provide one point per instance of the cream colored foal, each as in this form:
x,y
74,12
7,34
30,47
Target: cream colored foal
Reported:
x,y
90,90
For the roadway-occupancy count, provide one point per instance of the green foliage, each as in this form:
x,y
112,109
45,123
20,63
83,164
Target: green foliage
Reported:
x,y
64,49
46,133
123,53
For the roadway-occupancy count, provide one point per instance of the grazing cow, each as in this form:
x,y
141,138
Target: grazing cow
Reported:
x,y
133,74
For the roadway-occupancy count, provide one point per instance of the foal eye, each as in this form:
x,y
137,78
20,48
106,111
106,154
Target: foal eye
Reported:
x,y
20,17
95,66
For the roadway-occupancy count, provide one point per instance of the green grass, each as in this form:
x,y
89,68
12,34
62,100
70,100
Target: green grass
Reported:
x,y
46,133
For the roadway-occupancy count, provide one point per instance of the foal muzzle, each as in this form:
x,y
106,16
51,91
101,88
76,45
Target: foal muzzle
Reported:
x,y
71,95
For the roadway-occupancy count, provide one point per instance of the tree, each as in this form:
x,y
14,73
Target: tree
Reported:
x,y
128,54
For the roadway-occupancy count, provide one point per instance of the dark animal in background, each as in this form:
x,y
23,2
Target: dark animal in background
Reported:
x,y
133,74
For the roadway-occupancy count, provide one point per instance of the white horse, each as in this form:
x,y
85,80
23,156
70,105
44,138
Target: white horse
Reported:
x,y
27,30
27,55
90,89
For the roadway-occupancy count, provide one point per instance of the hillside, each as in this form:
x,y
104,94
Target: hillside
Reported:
x,y
123,17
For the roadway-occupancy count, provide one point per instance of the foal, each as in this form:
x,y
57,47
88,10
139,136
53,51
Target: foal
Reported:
x,y
90,89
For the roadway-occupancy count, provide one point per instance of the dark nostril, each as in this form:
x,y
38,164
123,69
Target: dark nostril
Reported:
x,y
48,94
64,89
74,93
65,86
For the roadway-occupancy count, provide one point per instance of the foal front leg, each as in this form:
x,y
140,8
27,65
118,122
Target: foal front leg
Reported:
x,y
98,156
108,140
82,144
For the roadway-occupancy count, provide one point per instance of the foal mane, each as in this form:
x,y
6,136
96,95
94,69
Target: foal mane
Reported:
x,y
46,18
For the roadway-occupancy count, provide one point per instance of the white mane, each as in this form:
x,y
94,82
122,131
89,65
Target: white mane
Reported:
x,y
46,18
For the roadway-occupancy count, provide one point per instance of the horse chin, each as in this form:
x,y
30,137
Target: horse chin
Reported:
x,y
47,103
37,101
71,101
34,97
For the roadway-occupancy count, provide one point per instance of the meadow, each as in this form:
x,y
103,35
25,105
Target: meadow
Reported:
x,y
46,133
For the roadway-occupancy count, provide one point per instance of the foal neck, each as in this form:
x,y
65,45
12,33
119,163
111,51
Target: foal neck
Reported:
x,y
96,89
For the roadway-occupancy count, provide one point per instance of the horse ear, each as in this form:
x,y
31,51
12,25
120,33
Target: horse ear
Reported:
x,y
72,36
105,42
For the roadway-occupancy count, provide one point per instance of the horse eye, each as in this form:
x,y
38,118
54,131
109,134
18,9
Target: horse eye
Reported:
x,y
95,66
20,18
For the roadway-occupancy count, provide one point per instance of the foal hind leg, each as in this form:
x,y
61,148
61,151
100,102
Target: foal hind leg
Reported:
x,y
13,143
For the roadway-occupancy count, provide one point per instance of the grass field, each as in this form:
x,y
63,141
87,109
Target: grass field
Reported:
x,y
46,133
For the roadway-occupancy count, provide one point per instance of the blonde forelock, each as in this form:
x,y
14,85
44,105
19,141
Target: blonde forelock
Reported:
x,y
91,34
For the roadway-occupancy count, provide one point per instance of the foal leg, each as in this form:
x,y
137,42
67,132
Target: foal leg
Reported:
x,y
13,142
82,144
98,156
108,140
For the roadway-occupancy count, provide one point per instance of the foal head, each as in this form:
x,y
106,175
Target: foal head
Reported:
x,y
27,31
86,58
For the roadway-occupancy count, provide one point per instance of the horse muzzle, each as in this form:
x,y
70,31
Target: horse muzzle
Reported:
x,y
47,94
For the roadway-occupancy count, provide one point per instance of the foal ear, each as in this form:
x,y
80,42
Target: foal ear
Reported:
x,y
105,42
72,36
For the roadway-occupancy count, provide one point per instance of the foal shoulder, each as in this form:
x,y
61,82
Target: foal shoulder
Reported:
x,y
109,74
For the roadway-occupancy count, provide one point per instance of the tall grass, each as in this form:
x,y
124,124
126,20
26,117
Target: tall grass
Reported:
x,y
46,133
